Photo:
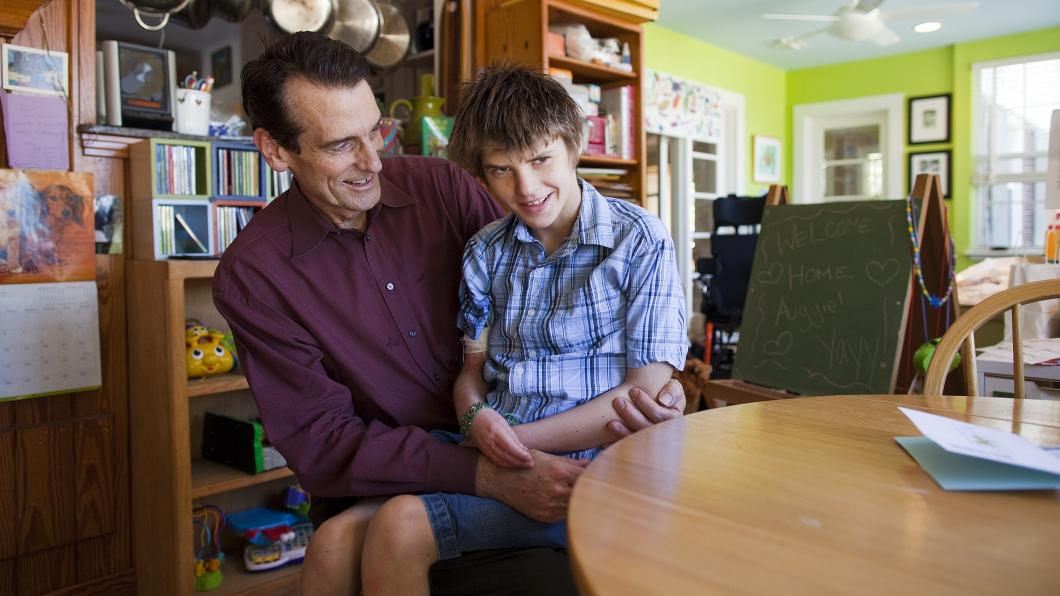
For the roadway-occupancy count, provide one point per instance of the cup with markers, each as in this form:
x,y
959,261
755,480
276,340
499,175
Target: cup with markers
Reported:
x,y
193,105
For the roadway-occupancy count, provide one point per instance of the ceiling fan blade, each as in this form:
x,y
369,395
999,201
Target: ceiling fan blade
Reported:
x,y
928,12
795,42
868,5
800,17
885,37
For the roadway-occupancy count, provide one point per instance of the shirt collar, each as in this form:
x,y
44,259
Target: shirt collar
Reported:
x,y
309,226
593,225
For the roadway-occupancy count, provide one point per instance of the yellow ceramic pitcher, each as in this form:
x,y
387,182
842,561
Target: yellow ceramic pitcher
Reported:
x,y
424,104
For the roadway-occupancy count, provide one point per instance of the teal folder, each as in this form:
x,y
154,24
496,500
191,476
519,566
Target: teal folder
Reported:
x,y
953,471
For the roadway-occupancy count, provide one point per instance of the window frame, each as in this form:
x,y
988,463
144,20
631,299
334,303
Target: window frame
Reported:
x,y
980,178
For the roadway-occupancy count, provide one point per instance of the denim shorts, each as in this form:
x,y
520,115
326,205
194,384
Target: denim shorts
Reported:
x,y
466,523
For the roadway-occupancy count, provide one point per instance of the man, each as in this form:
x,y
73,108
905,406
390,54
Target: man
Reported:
x,y
342,295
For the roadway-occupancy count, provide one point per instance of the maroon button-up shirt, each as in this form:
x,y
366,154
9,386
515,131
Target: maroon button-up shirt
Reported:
x,y
349,339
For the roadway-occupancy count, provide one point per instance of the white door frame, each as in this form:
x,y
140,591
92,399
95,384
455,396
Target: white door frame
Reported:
x,y
810,119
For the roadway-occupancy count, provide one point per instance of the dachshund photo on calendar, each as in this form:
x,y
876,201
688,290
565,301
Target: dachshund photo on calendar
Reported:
x,y
46,231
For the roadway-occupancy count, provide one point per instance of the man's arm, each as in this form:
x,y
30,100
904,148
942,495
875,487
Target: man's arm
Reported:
x,y
311,419
585,427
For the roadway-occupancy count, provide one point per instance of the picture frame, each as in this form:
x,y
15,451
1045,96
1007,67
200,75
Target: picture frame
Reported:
x,y
32,70
766,159
221,66
183,228
929,119
932,162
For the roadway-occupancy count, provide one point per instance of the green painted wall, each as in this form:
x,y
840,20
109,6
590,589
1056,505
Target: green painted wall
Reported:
x,y
763,86
930,72
771,93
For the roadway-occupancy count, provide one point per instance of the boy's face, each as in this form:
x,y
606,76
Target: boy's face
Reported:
x,y
540,187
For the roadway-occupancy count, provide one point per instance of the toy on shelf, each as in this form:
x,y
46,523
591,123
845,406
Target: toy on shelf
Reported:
x,y
274,538
297,499
208,351
209,521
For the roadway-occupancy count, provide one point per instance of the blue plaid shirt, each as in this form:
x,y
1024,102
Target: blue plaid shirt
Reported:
x,y
564,327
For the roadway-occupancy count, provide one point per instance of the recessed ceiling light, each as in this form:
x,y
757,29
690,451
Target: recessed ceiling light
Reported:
x,y
928,27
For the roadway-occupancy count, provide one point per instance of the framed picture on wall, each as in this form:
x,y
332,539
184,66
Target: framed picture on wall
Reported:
x,y
766,159
221,66
34,70
931,162
929,119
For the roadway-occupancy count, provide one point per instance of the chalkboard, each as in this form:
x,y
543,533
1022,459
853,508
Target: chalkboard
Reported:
x,y
827,299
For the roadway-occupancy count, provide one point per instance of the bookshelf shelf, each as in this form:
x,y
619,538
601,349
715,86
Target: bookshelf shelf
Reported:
x,y
605,160
212,478
217,384
590,72
238,581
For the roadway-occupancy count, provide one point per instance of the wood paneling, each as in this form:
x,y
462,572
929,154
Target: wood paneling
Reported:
x,y
64,459
8,514
46,570
94,485
44,487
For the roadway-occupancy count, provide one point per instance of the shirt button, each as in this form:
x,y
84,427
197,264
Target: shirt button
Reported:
x,y
390,286
437,377
412,333
367,236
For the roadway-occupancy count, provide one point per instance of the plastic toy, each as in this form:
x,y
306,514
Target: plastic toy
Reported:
x,y
209,521
263,526
923,354
208,351
297,500
278,554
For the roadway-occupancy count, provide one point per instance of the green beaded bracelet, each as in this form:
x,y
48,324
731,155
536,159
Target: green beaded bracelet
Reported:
x,y
469,415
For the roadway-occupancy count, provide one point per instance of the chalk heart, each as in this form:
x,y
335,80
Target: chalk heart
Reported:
x,y
881,273
772,275
779,346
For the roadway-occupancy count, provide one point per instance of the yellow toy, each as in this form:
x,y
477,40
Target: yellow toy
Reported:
x,y
206,354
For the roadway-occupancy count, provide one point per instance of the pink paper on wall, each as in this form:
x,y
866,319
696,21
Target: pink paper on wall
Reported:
x,y
37,131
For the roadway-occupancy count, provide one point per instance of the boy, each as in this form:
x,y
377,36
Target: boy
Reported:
x,y
584,301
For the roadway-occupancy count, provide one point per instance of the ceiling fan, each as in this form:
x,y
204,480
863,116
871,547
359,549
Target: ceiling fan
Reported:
x,y
862,20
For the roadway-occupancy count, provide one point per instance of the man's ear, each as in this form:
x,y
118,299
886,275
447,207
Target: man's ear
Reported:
x,y
270,149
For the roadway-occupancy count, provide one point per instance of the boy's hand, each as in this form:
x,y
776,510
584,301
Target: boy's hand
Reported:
x,y
496,440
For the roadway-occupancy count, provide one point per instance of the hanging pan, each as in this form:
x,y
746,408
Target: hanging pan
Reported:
x,y
357,23
393,41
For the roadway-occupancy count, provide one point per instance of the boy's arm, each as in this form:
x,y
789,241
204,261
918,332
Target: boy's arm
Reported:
x,y
489,430
585,427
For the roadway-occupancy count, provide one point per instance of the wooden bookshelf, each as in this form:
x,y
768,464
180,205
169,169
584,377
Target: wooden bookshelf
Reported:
x,y
211,478
217,384
515,31
168,476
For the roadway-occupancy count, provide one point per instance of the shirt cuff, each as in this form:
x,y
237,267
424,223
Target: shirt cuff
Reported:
x,y
452,469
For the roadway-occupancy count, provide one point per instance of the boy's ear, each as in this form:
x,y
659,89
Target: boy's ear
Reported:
x,y
270,149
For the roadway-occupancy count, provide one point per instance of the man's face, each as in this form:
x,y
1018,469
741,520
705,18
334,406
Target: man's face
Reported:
x,y
539,186
338,161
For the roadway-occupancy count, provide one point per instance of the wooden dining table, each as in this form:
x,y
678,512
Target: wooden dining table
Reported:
x,y
810,496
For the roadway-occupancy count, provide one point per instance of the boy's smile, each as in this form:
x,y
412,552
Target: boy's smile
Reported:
x,y
539,186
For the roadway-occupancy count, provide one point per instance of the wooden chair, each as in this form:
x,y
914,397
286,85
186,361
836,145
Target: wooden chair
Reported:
x,y
960,335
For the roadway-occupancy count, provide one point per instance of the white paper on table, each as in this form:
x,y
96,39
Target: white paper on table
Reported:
x,y
1052,176
982,442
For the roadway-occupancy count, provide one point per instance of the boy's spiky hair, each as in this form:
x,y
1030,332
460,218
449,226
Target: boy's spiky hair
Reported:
x,y
512,108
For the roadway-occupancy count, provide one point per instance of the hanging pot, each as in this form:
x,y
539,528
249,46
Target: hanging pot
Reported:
x,y
393,42
154,8
232,11
291,16
357,24
195,15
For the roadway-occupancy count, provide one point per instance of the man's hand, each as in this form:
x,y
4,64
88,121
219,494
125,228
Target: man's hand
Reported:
x,y
494,437
540,492
642,411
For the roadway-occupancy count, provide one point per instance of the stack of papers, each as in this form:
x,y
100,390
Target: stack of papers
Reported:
x,y
1043,351
962,456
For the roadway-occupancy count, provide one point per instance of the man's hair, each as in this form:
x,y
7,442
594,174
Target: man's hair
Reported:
x,y
512,108
311,56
